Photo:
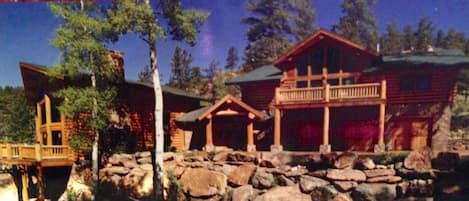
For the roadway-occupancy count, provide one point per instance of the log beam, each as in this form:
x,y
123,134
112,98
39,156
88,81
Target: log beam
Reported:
x,y
209,135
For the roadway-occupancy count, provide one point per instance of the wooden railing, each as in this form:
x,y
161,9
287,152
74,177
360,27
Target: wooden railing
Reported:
x,y
36,152
331,93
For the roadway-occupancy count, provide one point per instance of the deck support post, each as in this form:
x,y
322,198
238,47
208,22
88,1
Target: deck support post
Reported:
x,y
380,147
276,147
251,147
209,135
24,183
48,120
325,147
37,150
40,183
9,153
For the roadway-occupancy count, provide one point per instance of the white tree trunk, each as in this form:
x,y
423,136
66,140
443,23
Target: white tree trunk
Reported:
x,y
94,154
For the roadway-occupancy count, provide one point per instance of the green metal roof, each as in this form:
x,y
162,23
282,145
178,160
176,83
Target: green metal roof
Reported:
x,y
264,73
193,115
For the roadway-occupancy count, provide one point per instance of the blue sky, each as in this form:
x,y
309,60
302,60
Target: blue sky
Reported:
x,y
27,28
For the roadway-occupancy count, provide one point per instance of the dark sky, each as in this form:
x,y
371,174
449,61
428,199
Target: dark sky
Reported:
x,y
27,28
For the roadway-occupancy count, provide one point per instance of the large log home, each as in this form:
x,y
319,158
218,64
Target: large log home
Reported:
x,y
330,94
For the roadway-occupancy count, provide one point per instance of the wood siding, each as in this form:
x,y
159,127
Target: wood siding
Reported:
x,y
259,95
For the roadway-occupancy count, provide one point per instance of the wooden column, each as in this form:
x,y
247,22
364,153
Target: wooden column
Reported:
x,y
40,183
9,153
24,184
277,127
38,123
48,120
380,147
326,147
37,150
208,134
250,133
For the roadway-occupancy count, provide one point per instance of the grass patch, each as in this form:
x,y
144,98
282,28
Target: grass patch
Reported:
x,y
390,157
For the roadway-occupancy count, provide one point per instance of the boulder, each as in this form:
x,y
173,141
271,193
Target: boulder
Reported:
x,y
345,161
318,173
345,175
144,154
203,183
296,171
8,189
241,175
242,157
379,172
385,179
138,183
365,164
270,163
119,170
374,192
145,160
195,158
419,159
221,156
416,174
130,164
147,167
324,193
284,181
262,179
344,186
242,193
328,160
284,193
119,159
342,197
308,183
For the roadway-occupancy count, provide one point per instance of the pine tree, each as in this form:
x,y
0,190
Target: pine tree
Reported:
x,y
409,38
268,28
145,75
466,49
210,75
81,40
391,42
304,23
424,34
180,69
182,24
455,40
16,116
440,39
359,23
232,59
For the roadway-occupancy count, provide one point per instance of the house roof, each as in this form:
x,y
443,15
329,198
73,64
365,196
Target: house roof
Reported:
x,y
228,101
42,70
441,58
264,73
315,38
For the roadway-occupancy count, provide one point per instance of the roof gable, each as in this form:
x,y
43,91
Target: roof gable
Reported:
x,y
229,105
317,37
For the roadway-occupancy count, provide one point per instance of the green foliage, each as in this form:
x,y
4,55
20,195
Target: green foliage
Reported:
x,y
304,15
299,161
183,75
460,116
81,142
72,196
424,34
359,23
440,39
409,38
232,59
146,75
455,40
391,41
391,157
176,192
16,116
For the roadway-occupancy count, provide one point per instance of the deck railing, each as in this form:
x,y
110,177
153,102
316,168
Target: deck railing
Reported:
x,y
35,152
328,93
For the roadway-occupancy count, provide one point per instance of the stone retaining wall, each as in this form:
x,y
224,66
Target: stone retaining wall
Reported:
x,y
283,176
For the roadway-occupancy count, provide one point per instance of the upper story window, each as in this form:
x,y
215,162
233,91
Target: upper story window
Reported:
x,y
333,60
302,66
415,82
55,113
43,113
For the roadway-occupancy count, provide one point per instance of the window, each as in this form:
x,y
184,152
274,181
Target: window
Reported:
x,y
349,63
333,82
332,60
55,113
316,83
348,81
43,113
316,61
56,138
301,84
415,82
302,66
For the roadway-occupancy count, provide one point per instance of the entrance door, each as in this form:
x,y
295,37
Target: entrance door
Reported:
x,y
411,133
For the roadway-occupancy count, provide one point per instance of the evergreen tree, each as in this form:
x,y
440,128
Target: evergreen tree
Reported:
x,y
392,41
145,75
304,23
182,24
424,34
466,49
359,23
180,69
455,40
231,59
81,39
440,39
16,116
210,75
409,38
268,28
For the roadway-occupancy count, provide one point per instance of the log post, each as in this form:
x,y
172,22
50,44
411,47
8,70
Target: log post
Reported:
x,y
37,150
40,183
24,184
380,147
20,151
209,135
276,147
325,147
383,89
250,132
9,151
48,120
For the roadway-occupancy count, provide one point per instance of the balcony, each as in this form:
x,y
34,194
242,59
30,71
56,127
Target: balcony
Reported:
x,y
343,95
27,154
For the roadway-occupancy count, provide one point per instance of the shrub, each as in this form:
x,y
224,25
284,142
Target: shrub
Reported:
x,y
391,157
80,142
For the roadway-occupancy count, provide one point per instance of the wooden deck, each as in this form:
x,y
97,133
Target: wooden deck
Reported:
x,y
334,96
32,154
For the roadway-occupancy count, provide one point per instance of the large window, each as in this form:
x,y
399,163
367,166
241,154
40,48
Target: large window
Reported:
x,y
43,113
302,66
415,82
333,60
317,61
55,113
